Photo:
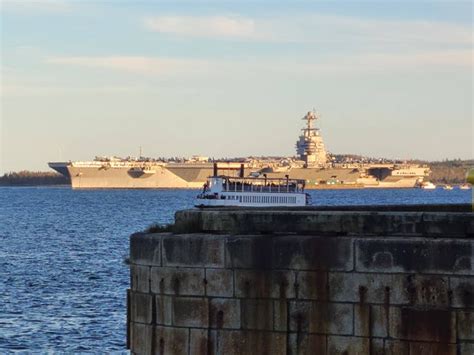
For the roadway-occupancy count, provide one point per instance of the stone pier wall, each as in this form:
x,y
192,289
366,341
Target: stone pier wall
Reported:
x,y
304,282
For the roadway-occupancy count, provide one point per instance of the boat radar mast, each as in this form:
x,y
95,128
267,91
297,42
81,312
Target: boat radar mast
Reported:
x,y
310,146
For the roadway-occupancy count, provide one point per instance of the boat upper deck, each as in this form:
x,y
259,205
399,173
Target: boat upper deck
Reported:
x,y
268,185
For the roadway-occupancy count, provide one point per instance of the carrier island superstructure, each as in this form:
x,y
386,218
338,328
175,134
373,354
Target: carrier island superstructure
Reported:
x,y
312,164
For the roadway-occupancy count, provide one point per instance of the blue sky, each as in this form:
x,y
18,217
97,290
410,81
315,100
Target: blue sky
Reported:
x,y
84,78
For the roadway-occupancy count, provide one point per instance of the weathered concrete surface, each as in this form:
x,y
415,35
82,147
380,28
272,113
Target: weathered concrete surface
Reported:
x,y
423,223
305,282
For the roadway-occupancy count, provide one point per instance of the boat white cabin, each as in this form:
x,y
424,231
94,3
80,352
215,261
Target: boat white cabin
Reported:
x,y
222,191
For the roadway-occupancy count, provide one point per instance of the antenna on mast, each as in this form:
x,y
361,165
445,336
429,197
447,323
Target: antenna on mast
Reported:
x,y
309,118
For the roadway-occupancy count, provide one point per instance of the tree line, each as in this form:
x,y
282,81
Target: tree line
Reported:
x,y
33,178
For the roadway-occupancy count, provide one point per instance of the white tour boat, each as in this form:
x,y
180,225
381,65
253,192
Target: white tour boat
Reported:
x,y
222,191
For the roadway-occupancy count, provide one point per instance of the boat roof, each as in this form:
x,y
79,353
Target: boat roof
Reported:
x,y
259,179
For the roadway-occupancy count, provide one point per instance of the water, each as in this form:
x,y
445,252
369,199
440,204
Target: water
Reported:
x,y
62,273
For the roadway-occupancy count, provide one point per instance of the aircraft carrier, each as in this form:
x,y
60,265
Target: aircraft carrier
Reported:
x,y
319,169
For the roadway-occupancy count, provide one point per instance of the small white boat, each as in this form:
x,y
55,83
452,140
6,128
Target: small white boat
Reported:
x,y
465,187
447,187
427,185
222,191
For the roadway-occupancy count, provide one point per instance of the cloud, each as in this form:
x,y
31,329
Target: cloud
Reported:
x,y
135,64
204,26
351,63
315,28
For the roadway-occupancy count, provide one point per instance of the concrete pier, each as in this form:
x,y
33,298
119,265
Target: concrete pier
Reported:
x,y
361,281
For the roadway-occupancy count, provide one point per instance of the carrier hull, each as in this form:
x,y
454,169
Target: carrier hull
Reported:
x,y
193,176
123,178
134,176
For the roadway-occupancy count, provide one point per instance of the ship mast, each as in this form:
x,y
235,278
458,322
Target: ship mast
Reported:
x,y
309,118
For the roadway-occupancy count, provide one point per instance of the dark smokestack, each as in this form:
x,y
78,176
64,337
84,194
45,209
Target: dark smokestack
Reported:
x,y
215,169
241,170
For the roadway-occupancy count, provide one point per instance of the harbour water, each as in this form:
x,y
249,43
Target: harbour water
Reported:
x,y
62,271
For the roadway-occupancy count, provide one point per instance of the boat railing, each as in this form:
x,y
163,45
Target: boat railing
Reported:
x,y
263,185
261,188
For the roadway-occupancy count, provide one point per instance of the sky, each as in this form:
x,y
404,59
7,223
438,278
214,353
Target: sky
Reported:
x,y
233,78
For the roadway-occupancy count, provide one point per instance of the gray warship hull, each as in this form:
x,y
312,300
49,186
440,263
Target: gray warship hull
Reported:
x,y
131,177
155,176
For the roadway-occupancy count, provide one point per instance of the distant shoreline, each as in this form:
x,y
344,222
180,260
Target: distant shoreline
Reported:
x,y
34,178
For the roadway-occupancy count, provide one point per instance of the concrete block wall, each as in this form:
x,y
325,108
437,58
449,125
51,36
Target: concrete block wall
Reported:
x,y
324,291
